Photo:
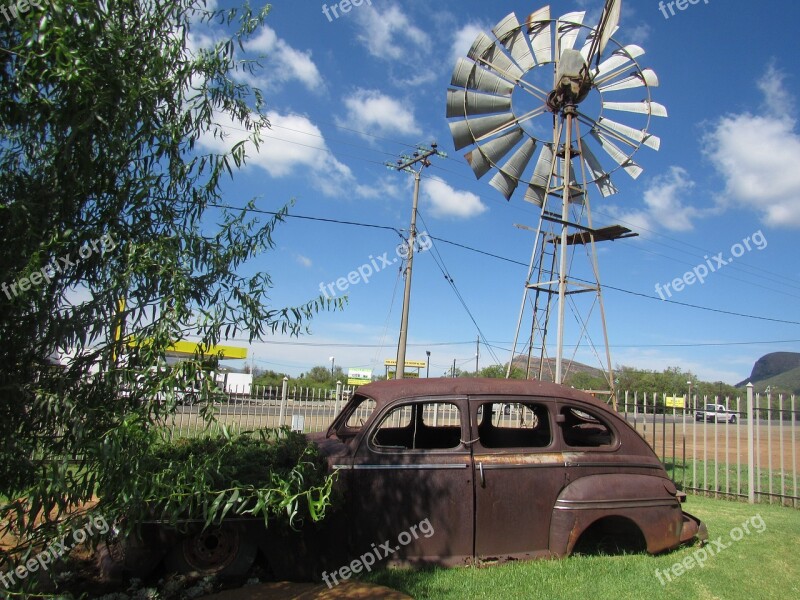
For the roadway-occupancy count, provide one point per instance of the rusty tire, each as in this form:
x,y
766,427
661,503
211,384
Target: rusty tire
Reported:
x,y
225,550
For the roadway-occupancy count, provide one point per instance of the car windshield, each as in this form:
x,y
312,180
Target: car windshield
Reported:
x,y
711,407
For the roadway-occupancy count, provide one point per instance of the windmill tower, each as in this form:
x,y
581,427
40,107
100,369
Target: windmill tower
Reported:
x,y
546,89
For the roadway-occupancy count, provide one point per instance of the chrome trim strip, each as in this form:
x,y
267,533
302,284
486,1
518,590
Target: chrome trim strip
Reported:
x,y
495,466
422,467
616,465
613,504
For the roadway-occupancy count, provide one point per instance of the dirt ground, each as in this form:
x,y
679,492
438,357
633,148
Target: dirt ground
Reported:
x,y
309,591
722,442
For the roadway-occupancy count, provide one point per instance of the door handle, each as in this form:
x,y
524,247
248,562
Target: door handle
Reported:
x,y
483,478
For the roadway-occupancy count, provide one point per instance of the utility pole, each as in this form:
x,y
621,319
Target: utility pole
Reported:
x,y
477,354
406,163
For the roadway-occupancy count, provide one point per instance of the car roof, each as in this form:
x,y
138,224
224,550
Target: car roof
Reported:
x,y
394,389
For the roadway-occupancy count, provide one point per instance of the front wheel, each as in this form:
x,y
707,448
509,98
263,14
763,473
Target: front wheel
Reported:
x,y
224,550
732,420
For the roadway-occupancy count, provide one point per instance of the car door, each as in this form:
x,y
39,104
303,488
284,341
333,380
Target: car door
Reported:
x,y
518,472
412,467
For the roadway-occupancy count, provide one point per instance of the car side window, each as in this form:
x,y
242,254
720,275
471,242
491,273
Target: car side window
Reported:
x,y
514,425
584,429
419,426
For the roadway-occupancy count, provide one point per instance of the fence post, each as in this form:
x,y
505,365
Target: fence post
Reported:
x,y
338,398
751,463
284,399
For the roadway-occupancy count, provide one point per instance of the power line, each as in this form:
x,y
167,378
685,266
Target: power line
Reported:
x,y
509,260
440,263
762,273
506,348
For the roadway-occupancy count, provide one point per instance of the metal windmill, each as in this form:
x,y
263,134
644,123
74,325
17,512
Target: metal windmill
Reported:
x,y
546,89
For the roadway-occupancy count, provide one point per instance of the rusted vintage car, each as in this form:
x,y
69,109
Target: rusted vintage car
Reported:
x,y
496,469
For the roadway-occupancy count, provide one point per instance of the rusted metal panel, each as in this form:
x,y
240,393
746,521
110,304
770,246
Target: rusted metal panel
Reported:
x,y
524,483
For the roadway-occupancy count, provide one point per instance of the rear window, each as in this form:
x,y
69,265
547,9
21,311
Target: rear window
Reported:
x,y
584,429
513,425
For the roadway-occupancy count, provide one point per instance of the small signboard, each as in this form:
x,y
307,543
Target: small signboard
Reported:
x,y
408,375
675,402
359,376
415,364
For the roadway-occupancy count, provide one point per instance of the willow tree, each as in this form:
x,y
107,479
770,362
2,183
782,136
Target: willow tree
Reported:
x,y
109,246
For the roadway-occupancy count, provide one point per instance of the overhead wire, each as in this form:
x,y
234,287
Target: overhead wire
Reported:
x,y
509,260
439,260
739,265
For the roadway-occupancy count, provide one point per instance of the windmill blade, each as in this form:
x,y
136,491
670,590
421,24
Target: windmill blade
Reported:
x,y
507,178
471,76
537,190
645,107
510,34
462,104
641,136
569,26
590,40
609,22
601,179
622,159
621,57
647,77
483,158
469,131
540,34
485,51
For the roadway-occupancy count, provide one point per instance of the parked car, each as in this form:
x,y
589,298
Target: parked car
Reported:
x,y
715,413
558,473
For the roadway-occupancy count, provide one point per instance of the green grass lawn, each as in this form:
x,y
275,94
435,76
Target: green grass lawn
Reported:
x,y
759,566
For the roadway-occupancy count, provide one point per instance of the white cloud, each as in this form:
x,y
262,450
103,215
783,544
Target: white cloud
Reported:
x,y
449,202
638,34
664,204
283,63
293,144
758,154
375,112
463,39
388,34
304,261
383,188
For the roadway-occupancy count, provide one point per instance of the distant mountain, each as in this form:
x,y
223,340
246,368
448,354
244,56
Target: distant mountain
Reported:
x,y
571,368
779,370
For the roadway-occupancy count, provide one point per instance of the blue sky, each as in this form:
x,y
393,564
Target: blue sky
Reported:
x,y
348,94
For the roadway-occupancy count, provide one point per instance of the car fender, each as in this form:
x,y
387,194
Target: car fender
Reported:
x,y
649,501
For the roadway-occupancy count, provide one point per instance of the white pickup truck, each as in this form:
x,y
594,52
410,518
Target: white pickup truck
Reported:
x,y
716,413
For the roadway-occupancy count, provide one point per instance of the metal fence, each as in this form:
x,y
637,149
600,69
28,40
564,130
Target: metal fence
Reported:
x,y
754,458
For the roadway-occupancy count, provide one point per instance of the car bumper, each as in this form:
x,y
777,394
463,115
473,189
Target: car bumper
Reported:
x,y
693,528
